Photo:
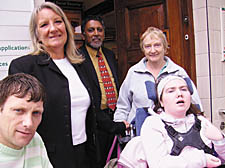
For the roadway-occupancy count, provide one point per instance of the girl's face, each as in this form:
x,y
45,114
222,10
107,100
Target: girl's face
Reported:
x,y
176,98
153,49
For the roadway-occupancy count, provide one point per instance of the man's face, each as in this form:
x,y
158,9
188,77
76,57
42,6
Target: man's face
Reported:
x,y
19,120
94,34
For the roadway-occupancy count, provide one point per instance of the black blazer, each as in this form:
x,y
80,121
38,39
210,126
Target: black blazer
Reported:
x,y
103,121
106,128
55,127
110,57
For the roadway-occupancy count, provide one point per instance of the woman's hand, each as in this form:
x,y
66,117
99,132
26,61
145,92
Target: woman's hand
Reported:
x,y
212,161
212,132
126,124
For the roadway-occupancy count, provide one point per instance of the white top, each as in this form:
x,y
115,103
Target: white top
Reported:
x,y
157,144
33,155
137,90
80,100
153,147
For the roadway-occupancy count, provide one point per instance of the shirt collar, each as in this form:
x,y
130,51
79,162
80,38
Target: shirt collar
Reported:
x,y
165,65
93,52
171,120
142,65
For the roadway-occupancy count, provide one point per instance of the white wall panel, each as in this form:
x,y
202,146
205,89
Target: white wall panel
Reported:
x,y
14,33
14,18
3,74
17,5
5,62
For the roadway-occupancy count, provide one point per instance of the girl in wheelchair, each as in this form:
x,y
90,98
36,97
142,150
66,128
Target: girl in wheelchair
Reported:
x,y
176,134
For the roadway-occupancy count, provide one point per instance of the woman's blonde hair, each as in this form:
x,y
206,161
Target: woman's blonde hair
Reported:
x,y
154,32
71,51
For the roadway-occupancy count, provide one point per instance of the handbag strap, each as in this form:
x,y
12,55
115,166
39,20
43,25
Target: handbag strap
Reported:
x,y
118,151
118,156
111,149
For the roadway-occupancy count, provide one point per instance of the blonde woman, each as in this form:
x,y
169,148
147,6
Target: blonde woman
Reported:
x,y
67,123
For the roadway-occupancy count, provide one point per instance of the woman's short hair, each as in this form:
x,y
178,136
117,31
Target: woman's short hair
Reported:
x,y
154,32
70,48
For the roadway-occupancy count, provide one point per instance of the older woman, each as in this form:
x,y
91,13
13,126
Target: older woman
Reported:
x,y
137,89
68,122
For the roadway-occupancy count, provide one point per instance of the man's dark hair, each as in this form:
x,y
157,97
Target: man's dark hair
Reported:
x,y
21,85
92,17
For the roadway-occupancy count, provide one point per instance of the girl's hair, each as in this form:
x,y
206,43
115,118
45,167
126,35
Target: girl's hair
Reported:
x,y
158,108
192,109
71,51
154,32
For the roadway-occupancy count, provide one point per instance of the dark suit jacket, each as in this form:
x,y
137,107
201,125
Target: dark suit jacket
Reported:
x,y
102,119
110,57
55,128
106,127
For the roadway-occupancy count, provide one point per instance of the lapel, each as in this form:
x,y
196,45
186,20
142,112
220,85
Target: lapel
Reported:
x,y
89,65
45,60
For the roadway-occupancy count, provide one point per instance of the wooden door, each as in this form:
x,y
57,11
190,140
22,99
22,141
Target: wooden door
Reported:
x,y
174,17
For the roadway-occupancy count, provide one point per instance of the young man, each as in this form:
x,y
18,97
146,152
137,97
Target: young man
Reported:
x,y
21,107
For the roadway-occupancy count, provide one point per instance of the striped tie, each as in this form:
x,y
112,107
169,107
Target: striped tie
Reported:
x,y
109,89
